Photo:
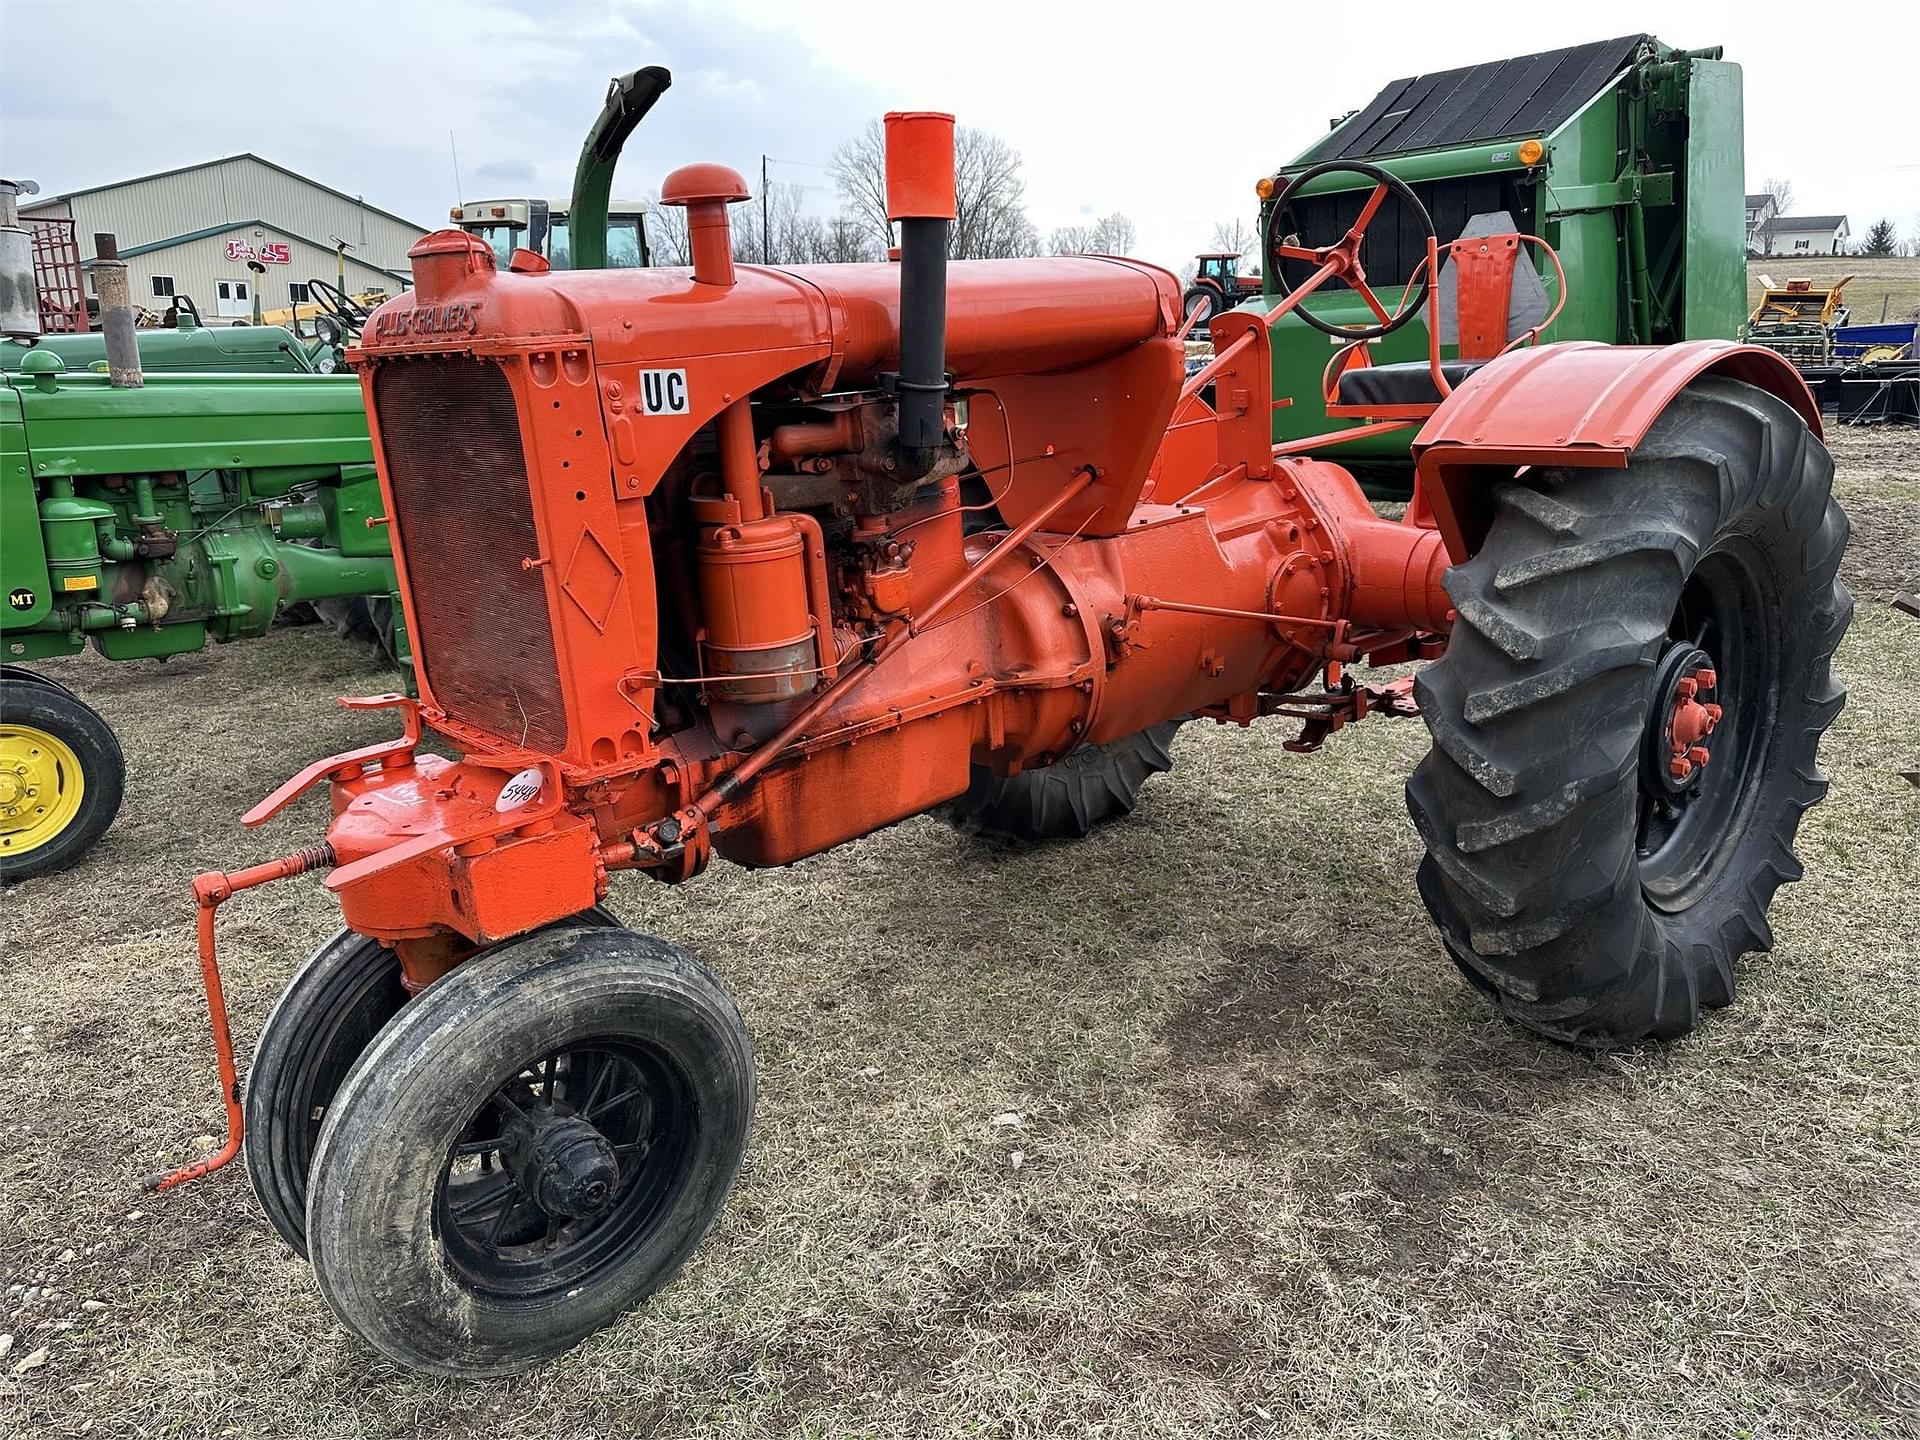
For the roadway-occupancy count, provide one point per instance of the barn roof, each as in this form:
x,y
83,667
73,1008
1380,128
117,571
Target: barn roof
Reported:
x,y
66,195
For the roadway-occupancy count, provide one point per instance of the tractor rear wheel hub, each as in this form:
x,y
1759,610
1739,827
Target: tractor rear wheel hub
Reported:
x,y
1680,721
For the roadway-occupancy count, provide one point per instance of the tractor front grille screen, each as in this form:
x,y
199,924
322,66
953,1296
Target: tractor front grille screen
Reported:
x,y
464,524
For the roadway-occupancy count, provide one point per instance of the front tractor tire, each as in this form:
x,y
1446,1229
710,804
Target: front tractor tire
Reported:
x,y
1064,800
331,1011
1626,720
530,1147
61,776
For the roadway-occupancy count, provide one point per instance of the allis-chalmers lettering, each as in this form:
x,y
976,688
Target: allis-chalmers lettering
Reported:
x,y
455,318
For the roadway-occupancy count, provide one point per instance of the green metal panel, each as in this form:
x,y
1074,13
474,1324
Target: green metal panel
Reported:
x,y
1419,165
350,505
1582,155
153,519
1716,256
23,551
225,350
193,422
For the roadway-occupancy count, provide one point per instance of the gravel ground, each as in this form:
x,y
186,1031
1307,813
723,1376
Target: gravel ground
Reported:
x,y
1185,1130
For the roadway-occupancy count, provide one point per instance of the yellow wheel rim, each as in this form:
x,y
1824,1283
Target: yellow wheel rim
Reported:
x,y
41,787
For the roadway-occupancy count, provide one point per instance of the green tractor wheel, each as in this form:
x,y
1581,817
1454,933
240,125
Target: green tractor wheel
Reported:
x,y
61,774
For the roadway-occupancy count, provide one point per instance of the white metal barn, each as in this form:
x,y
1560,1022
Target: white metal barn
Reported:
x,y
192,231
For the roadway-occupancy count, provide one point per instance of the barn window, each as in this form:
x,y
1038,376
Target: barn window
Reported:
x,y
297,292
163,286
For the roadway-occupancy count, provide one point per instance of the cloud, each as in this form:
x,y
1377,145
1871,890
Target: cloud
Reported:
x,y
1135,107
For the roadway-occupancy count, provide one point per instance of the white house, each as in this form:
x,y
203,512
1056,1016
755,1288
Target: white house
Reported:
x,y
1807,235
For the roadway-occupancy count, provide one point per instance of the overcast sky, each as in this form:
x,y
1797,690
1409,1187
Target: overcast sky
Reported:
x,y
1167,112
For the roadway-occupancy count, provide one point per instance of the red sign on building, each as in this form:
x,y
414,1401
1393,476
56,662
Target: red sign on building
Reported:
x,y
273,254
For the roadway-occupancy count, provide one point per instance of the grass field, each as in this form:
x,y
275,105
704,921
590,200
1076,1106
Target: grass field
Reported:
x,y
1890,285
1275,1169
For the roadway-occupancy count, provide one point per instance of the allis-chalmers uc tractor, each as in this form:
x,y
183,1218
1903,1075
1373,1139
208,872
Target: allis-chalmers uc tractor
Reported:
x,y
750,561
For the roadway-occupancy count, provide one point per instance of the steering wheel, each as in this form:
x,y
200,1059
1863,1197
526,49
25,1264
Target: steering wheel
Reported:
x,y
337,303
1344,254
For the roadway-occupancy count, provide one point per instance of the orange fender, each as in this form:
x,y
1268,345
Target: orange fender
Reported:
x,y
1577,403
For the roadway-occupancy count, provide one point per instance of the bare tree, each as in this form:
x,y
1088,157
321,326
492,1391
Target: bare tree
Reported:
x,y
667,233
1109,235
990,195
860,170
1070,240
1782,193
1233,237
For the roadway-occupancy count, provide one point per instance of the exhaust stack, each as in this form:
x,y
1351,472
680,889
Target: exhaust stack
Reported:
x,y
116,315
920,195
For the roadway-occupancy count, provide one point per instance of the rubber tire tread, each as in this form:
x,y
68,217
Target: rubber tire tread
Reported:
x,y
1527,802
48,705
375,1246
1064,800
340,997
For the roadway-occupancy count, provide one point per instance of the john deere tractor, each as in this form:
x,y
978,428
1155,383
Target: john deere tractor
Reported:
x,y
146,522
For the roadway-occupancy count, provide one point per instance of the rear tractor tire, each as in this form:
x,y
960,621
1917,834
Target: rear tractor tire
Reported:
x,y
61,776
532,1145
1626,720
1064,800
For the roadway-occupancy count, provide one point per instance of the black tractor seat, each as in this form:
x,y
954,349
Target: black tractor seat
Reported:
x,y
1408,383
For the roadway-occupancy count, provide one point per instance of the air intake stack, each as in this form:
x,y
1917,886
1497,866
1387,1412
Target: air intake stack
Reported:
x,y
920,196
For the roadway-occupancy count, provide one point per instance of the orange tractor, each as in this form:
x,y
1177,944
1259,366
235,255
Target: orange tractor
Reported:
x,y
750,561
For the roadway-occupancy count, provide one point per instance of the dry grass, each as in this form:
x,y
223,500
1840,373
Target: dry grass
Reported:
x,y
1283,1172
1891,284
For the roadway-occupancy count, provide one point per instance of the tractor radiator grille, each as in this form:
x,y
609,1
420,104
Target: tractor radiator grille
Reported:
x,y
464,524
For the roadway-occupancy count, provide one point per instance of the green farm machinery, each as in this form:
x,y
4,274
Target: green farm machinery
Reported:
x,y
148,513
188,347
1625,156
147,521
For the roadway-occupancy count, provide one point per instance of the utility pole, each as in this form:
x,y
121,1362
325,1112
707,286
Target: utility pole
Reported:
x,y
766,226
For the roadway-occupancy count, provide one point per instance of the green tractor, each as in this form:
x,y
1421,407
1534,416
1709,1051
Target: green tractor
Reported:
x,y
147,522
188,347
196,506
1625,155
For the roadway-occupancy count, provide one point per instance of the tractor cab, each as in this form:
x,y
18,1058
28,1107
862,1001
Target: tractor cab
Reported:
x,y
1222,267
537,225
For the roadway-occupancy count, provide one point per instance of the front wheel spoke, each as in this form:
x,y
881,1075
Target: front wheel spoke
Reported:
x,y
622,1098
603,1072
475,1203
498,1228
